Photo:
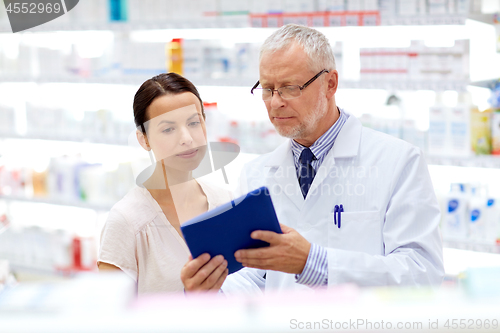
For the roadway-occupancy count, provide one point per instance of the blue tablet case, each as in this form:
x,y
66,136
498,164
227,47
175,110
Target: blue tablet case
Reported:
x,y
227,228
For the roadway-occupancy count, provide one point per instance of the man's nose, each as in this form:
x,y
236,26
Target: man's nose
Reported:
x,y
277,101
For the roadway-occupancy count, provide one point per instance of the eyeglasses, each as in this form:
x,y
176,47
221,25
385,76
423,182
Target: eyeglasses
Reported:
x,y
286,92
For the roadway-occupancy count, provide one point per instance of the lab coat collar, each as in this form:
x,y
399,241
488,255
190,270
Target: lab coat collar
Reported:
x,y
347,142
346,145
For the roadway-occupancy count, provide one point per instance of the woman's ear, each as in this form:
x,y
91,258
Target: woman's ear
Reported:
x,y
143,140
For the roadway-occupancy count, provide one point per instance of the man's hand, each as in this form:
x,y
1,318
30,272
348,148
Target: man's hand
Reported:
x,y
287,253
203,273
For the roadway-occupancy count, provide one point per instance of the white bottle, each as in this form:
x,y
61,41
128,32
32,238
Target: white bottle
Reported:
x,y
438,128
492,227
455,219
459,126
477,214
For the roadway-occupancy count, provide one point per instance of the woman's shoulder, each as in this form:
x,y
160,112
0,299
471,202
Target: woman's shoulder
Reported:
x,y
135,208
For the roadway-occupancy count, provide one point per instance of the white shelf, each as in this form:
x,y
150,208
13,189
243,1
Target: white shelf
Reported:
x,y
126,80
445,19
458,85
229,21
490,84
81,140
79,204
405,85
244,21
479,161
485,18
472,245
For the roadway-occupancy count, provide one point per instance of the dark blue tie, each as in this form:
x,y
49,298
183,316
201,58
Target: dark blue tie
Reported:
x,y
306,171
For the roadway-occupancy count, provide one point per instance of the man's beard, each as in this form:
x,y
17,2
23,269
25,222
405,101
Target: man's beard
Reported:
x,y
300,130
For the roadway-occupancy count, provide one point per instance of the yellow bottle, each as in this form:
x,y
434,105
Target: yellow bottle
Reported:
x,y
175,56
480,131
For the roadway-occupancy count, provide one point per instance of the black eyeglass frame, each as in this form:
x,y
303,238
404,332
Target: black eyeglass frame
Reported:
x,y
300,87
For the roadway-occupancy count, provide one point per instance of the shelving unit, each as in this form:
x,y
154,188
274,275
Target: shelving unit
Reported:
x,y
473,245
480,161
400,85
245,20
79,204
316,19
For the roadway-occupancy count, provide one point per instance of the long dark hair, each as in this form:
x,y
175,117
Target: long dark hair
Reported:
x,y
160,85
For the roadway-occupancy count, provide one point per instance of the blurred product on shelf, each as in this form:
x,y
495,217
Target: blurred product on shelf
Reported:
x,y
454,223
67,180
61,124
400,128
469,213
6,278
417,62
126,61
48,251
118,10
449,129
254,137
459,126
481,131
495,118
261,13
175,56
4,223
438,127
495,131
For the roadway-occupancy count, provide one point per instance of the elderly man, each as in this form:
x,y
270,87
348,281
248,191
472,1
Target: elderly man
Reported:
x,y
355,205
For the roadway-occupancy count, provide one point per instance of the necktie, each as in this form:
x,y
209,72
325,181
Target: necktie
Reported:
x,y
306,172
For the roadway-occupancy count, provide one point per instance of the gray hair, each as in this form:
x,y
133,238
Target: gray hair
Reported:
x,y
314,43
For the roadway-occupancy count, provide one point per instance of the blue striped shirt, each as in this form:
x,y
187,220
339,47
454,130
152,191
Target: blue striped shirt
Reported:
x,y
315,271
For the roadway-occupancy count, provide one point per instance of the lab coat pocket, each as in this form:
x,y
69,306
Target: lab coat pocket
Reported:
x,y
359,231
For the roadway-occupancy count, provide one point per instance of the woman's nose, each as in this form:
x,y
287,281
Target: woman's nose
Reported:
x,y
185,136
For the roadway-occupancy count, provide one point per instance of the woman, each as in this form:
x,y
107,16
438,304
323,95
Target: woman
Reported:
x,y
142,235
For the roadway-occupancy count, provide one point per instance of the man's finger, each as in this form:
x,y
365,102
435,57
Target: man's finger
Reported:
x,y
266,236
262,253
286,229
258,263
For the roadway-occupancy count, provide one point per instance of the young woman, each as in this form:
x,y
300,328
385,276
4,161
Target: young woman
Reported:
x,y
142,234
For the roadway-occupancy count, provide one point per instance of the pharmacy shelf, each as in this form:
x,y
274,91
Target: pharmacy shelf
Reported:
x,y
472,245
245,20
82,140
485,18
78,204
441,85
448,19
400,85
23,271
134,80
490,84
479,161
229,21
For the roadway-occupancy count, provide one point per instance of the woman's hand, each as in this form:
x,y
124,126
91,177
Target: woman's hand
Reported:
x,y
204,274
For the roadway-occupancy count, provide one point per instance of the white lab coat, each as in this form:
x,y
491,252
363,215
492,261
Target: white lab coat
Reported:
x,y
389,231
